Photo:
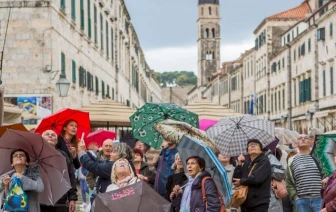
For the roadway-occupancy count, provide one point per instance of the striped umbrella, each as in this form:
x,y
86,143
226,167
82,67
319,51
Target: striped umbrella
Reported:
x,y
285,136
232,133
192,147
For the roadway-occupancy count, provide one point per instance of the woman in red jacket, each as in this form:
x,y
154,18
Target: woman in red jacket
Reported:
x,y
329,192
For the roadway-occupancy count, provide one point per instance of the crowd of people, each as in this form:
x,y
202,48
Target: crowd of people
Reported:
x,y
116,165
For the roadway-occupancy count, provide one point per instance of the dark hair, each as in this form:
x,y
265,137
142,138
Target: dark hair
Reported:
x,y
19,150
233,161
254,141
74,139
138,151
200,161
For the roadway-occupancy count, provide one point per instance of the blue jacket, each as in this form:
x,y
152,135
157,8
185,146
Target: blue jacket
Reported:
x,y
163,170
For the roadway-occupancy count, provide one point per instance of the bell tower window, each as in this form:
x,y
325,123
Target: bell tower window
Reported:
x,y
207,33
202,11
209,10
209,55
213,32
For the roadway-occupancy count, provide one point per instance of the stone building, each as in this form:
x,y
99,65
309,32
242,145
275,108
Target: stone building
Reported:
x,y
91,42
289,76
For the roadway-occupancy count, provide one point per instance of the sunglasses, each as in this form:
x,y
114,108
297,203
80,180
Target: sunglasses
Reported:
x,y
122,164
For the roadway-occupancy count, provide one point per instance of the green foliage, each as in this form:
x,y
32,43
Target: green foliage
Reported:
x,y
176,78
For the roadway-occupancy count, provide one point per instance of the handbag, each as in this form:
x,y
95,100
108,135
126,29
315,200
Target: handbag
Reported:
x,y
222,209
239,197
279,188
16,199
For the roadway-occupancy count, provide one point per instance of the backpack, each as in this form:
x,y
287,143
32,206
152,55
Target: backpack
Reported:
x,y
222,209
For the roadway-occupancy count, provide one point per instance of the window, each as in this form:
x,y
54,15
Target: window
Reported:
x,y
108,91
272,103
294,82
202,11
97,85
103,89
299,51
82,77
209,10
101,32
73,10
88,81
279,97
62,5
303,49
95,23
275,101
234,83
256,44
89,17
73,66
207,33
331,29
107,40
82,14
309,45
293,34
213,32
279,65
283,99
288,38
112,93
294,55
112,46
63,71
321,34
297,30
324,83
331,80
304,90
283,62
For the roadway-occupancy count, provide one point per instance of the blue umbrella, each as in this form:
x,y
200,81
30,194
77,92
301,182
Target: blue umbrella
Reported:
x,y
192,147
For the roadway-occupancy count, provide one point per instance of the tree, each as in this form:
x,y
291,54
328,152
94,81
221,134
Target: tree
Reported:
x,y
176,78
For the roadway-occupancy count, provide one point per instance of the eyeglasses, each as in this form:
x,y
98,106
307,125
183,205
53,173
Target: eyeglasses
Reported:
x,y
19,155
304,138
122,164
252,144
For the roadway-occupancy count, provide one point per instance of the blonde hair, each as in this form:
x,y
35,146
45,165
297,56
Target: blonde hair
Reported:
x,y
114,178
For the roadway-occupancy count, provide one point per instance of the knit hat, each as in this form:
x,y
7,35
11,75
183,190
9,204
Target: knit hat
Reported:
x,y
138,151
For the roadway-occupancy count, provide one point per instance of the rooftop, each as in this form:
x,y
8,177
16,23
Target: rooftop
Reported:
x,y
208,2
298,12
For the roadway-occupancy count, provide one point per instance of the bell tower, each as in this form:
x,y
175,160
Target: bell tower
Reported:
x,y
208,39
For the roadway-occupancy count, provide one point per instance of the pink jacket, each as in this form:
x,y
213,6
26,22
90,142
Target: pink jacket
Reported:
x,y
329,196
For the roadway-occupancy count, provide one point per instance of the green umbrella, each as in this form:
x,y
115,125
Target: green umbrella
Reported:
x,y
147,116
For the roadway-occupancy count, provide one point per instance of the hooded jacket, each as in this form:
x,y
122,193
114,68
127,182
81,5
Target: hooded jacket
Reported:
x,y
259,182
32,184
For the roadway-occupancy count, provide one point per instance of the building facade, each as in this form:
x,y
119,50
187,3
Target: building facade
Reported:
x,y
92,43
288,77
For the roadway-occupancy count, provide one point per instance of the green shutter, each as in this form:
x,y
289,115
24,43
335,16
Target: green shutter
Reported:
x,y
300,92
95,24
73,71
324,84
73,9
97,86
80,76
108,91
101,32
82,14
63,4
103,89
63,71
89,17
112,47
107,39
112,93
331,80
283,99
309,89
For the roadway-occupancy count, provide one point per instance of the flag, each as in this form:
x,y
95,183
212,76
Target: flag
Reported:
x,y
253,100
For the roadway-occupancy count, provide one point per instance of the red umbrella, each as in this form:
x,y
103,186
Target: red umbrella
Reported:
x,y
99,136
56,121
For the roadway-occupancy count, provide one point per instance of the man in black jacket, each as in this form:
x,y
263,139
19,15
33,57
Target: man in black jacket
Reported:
x,y
256,174
68,201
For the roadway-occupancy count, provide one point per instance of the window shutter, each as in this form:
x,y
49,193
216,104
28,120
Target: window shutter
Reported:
x,y
84,77
63,71
324,84
88,78
283,99
300,92
101,32
73,9
73,71
272,103
309,89
108,91
107,40
63,4
331,29
103,89
112,93
112,49
89,17
331,80
82,14
95,24
97,86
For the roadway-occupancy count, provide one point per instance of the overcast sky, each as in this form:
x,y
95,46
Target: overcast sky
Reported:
x,y
167,29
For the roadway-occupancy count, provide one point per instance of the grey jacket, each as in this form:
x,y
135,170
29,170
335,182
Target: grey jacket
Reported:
x,y
32,184
278,173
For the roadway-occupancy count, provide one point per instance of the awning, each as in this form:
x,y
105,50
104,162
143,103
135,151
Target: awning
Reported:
x,y
109,113
209,110
299,118
12,114
321,114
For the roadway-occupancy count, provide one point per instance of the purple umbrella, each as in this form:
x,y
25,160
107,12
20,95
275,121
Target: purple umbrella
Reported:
x,y
52,164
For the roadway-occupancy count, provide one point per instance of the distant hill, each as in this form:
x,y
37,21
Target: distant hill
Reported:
x,y
176,78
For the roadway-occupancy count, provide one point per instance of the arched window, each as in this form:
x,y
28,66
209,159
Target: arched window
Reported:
x,y
213,55
209,10
213,32
207,33
202,11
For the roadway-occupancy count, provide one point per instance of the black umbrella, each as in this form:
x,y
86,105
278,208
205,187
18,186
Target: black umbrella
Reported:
x,y
138,197
130,140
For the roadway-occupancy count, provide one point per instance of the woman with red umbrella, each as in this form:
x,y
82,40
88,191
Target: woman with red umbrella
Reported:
x,y
68,141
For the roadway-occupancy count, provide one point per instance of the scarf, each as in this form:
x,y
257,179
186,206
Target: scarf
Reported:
x,y
185,204
123,182
170,159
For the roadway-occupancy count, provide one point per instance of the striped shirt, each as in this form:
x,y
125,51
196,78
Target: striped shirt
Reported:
x,y
306,175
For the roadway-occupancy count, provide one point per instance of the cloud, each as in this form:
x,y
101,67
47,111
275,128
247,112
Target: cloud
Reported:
x,y
185,57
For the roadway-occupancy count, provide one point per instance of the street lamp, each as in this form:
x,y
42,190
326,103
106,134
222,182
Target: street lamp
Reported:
x,y
282,119
308,115
62,86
